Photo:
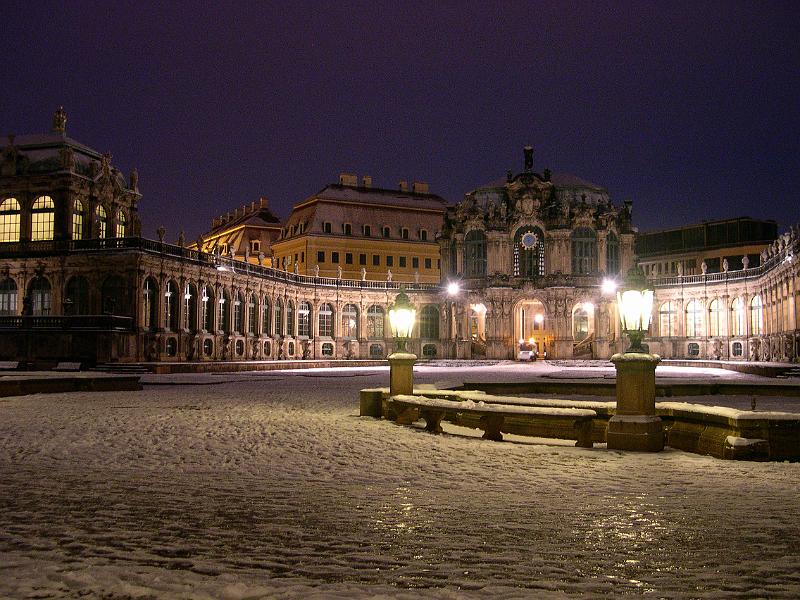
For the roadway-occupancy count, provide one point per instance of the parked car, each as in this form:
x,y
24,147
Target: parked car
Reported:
x,y
527,351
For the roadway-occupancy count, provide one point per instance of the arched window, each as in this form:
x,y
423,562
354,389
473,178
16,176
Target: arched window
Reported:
x,y
150,306
326,320
266,317
278,317
76,296
207,308
580,324
612,253
584,251
475,254
42,218
694,319
304,319
429,323
350,321
224,314
289,317
528,252
715,317
40,295
251,314
189,307
9,220
667,320
238,309
756,316
8,297
102,222
737,317
122,224
78,219
115,297
375,320
171,306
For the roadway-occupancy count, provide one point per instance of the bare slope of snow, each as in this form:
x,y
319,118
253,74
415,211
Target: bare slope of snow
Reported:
x,y
270,485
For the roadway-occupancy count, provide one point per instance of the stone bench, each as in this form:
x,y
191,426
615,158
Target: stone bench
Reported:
x,y
68,366
9,365
491,418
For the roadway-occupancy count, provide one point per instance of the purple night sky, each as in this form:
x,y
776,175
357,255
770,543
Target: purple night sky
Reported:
x,y
692,110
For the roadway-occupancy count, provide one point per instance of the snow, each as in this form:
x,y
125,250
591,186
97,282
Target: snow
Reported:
x,y
268,484
482,406
729,413
733,440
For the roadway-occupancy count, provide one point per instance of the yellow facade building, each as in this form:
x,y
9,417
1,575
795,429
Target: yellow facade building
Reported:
x,y
352,230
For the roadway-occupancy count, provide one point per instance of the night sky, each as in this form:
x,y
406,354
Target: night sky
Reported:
x,y
692,110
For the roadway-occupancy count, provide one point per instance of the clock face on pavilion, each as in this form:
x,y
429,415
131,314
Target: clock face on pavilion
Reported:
x,y
529,240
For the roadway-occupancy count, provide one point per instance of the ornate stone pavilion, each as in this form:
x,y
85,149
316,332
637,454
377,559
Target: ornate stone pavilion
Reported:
x,y
77,282
531,252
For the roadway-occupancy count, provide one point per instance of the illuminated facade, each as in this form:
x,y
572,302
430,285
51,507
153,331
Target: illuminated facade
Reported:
x,y
531,252
352,230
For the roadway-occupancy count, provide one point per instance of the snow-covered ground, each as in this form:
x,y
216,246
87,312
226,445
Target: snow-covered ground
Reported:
x,y
268,484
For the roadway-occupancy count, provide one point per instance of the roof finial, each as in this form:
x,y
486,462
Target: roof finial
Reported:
x,y
60,121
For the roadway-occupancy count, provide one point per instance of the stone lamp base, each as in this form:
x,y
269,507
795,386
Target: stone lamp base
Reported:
x,y
635,425
401,373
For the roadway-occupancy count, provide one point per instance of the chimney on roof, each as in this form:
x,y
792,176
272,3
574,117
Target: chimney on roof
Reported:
x,y
228,217
420,187
350,179
252,206
263,202
366,181
403,185
215,222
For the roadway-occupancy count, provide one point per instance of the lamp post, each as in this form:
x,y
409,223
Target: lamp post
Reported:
x,y
402,315
635,425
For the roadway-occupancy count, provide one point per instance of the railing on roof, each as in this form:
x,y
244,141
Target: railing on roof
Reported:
x,y
221,263
786,254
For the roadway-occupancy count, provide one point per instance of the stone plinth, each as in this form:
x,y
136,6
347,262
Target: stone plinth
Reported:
x,y
401,373
635,425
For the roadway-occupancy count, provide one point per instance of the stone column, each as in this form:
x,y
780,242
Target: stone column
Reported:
x,y
635,425
401,373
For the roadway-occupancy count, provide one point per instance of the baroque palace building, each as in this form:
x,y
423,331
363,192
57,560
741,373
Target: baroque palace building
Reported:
x,y
531,252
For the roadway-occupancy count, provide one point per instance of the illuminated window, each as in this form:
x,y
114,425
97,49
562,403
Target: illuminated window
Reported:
x,y
737,317
350,321
78,219
528,252
122,225
238,309
715,317
223,316
8,297
580,324
171,306
304,320
756,316
326,320
102,222
375,320
668,326
694,319
9,220
40,295
42,218
289,317
207,308
278,317
429,322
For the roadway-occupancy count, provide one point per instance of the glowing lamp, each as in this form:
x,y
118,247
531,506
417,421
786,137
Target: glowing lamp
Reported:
x,y
635,304
453,288
609,287
539,318
402,315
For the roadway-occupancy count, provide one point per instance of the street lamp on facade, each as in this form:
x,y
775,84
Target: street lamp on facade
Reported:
x,y
635,425
402,316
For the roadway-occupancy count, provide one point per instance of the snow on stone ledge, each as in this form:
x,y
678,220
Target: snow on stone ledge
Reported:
x,y
423,401
728,413
732,440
